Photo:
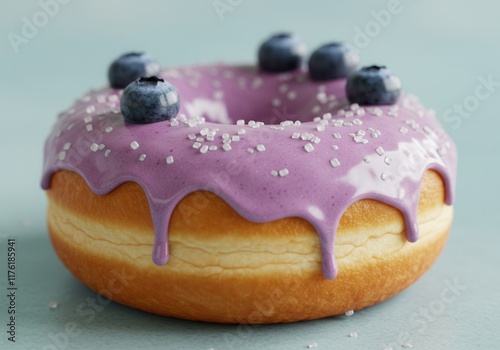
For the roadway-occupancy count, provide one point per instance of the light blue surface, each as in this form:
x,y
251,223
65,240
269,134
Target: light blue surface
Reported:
x,y
441,50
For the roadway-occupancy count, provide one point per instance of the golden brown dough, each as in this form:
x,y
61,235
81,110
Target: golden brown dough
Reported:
x,y
224,268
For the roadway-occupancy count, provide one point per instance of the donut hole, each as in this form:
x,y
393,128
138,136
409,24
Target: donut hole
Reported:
x,y
226,94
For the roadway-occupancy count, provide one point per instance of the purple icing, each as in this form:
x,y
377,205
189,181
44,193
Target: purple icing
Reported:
x,y
358,152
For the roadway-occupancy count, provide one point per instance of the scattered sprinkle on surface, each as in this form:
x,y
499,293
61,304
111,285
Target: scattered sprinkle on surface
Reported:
x,y
284,172
90,109
335,162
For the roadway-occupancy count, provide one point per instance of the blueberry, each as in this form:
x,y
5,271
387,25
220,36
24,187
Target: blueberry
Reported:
x,y
130,67
333,61
281,53
149,100
374,85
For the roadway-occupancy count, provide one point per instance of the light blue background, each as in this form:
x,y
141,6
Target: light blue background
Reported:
x,y
440,49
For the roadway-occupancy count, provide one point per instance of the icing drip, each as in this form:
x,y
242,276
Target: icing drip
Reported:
x,y
315,156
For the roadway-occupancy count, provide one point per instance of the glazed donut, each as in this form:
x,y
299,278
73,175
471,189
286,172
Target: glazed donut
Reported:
x,y
269,198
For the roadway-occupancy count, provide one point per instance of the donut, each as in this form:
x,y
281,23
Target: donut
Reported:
x,y
260,196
